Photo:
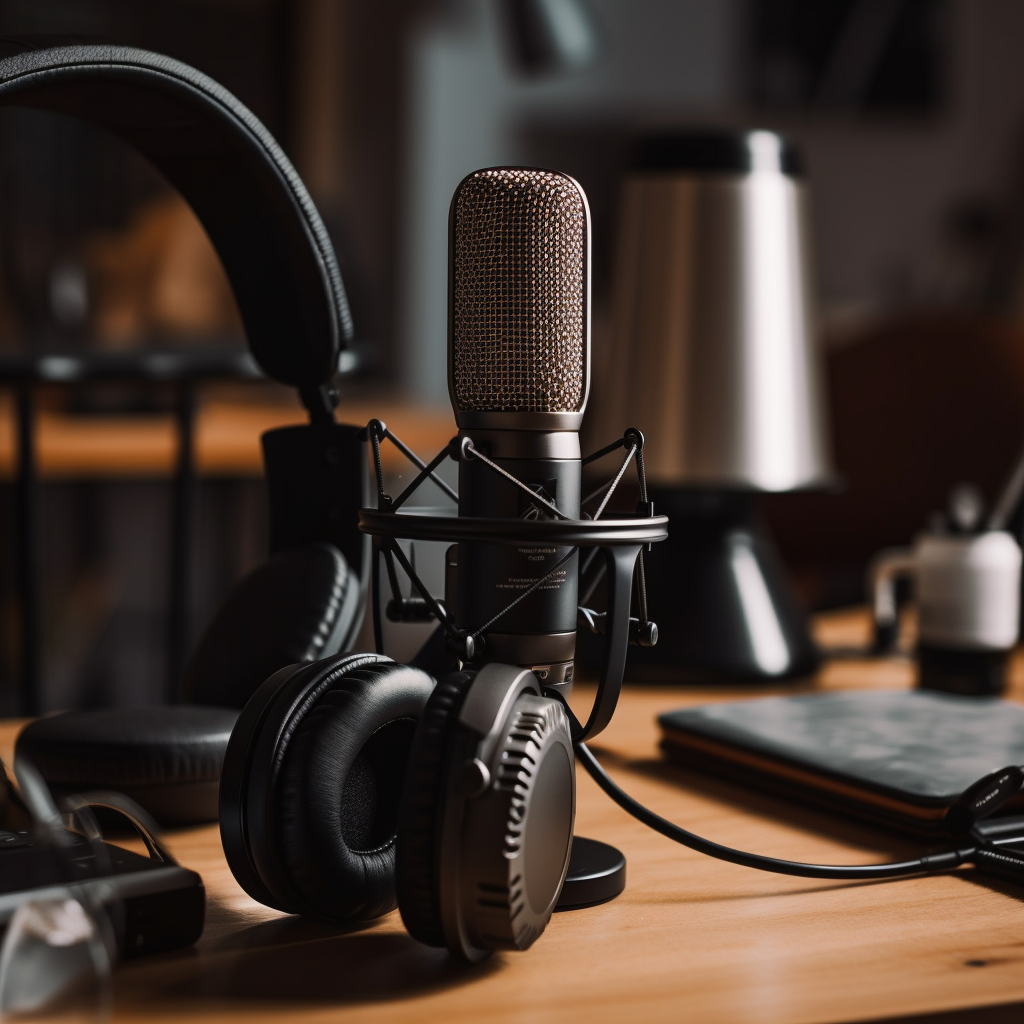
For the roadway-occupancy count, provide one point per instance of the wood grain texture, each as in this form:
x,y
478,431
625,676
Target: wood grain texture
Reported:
x,y
691,939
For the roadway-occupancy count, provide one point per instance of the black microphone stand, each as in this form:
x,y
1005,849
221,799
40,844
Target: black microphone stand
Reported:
x,y
597,871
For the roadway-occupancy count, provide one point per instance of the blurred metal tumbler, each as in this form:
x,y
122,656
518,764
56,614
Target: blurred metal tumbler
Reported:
x,y
712,354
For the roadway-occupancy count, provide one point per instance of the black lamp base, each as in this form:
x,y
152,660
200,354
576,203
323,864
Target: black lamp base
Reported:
x,y
724,604
597,873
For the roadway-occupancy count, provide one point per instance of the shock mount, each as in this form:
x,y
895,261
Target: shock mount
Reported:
x,y
614,547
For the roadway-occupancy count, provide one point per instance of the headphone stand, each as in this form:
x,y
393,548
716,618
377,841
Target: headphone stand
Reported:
x,y
597,874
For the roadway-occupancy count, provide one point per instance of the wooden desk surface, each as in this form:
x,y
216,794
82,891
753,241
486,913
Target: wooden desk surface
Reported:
x,y
691,939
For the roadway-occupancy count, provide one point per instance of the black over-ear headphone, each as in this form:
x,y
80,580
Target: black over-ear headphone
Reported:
x,y
306,602
349,783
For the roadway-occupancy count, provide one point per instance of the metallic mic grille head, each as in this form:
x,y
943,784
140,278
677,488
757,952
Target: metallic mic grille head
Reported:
x,y
519,302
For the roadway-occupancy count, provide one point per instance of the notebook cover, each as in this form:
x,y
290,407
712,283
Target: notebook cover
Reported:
x,y
900,758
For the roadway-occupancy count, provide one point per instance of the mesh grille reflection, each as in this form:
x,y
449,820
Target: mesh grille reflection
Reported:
x,y
519,293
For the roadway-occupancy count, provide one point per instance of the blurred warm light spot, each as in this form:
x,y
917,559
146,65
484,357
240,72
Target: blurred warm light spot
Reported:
x,y
158,277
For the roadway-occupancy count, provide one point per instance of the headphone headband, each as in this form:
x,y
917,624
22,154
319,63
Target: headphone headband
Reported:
x,y
227,166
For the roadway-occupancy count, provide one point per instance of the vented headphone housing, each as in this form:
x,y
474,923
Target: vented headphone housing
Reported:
x,y
487,819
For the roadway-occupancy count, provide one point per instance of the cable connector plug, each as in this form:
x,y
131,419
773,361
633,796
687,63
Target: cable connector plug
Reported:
x,y
1001,862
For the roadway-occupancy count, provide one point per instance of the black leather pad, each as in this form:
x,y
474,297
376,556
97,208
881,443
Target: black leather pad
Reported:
x,y
338,788
227,166
422,809
167,759
299,606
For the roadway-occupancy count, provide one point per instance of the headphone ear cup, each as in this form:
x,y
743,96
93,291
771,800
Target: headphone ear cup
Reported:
x,y
338,789
298,606
422,807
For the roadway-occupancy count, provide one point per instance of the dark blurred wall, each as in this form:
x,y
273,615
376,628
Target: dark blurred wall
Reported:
x,y
905,173
244,44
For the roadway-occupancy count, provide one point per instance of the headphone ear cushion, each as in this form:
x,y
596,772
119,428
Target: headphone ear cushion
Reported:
x,y
168,759
339,789
422,808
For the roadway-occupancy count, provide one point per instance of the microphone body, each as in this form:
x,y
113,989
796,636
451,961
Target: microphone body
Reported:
x,y
518,371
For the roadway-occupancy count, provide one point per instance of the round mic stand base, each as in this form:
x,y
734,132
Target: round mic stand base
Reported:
x,y
597,873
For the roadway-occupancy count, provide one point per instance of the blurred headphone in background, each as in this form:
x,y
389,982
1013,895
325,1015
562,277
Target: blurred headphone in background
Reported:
x,y
307,600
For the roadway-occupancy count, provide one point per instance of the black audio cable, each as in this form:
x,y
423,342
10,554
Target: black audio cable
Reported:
x,y
930,863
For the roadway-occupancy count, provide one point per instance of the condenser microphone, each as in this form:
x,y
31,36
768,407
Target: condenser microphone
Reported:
x,y
518,376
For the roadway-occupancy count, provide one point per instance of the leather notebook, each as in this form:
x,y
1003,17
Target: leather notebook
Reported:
x,y
897,758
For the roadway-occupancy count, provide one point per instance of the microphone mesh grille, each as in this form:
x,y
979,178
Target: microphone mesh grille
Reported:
x,y
519,331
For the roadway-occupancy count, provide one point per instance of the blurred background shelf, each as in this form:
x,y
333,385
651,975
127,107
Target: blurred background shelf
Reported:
x,y
72,446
